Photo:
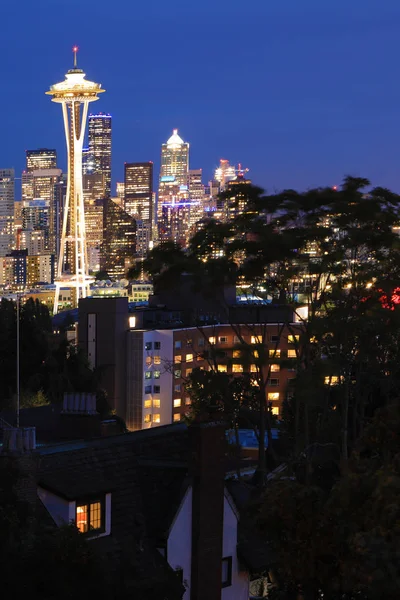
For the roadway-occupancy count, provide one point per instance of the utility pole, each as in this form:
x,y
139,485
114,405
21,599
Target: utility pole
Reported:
x,y
18,391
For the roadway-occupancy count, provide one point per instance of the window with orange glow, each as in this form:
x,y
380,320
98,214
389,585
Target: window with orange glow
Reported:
x,y
274,353
89,517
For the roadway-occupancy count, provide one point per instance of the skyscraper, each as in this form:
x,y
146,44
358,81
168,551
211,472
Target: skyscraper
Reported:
x,y
196,196
138,201
42,158
36,217
119,240
72,94
224,173
174,169
99,156
6,211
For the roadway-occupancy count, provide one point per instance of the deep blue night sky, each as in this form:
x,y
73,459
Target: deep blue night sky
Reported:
x,y
301,92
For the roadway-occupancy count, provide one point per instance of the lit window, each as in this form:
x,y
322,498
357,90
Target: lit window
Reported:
x,y
212,340
177,402
132,322
237,354
253,369
177,373
189,343
256,354
178,344
157,418
157,360
89,517
148,346
178,358
256,339
147,389
147,403
223,339
275,368
148,360
293,339
291,354
188,372
274,353
273,382
332,380
156,403
275,410
237,368
156,374
177,417
147,418
156,389
189,357
188,401
226,580
148,375
222,368
273,396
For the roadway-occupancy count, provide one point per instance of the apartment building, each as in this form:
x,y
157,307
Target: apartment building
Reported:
x,y
144,369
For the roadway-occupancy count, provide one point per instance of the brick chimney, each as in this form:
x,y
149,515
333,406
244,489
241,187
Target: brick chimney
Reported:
x,y
79,418
207,470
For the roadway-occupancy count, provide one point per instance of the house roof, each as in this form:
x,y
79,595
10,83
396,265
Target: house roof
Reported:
x,y
164,485
75,470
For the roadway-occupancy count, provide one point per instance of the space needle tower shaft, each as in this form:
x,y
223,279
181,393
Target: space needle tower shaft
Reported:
x,y
74,94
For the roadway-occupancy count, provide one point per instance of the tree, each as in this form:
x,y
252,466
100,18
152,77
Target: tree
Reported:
x,y
344,542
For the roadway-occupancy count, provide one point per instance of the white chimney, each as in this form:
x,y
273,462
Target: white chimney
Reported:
x,y
19,440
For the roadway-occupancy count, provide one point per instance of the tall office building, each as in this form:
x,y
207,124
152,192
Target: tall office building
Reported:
x,y
99,142
174,169
119,240
6,211
94,231
224,173
138,201
196,197
42,158
35,214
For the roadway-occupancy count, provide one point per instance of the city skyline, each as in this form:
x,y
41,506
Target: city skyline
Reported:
x,y
322,100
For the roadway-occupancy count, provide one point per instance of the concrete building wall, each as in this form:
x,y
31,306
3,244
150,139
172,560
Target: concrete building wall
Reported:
x,y
179,545
109,340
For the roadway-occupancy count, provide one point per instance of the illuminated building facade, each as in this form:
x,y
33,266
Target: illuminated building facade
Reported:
x,y
6,211
42,158
174,169
74,94
39,269
120,191
138,201
36,218
119,240
99,146
196,196
94,186
94,231
13,270
224,173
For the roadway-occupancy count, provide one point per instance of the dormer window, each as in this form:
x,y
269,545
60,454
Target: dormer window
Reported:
x,y
90,516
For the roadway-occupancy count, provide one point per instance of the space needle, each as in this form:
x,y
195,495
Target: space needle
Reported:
x,y
74,95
